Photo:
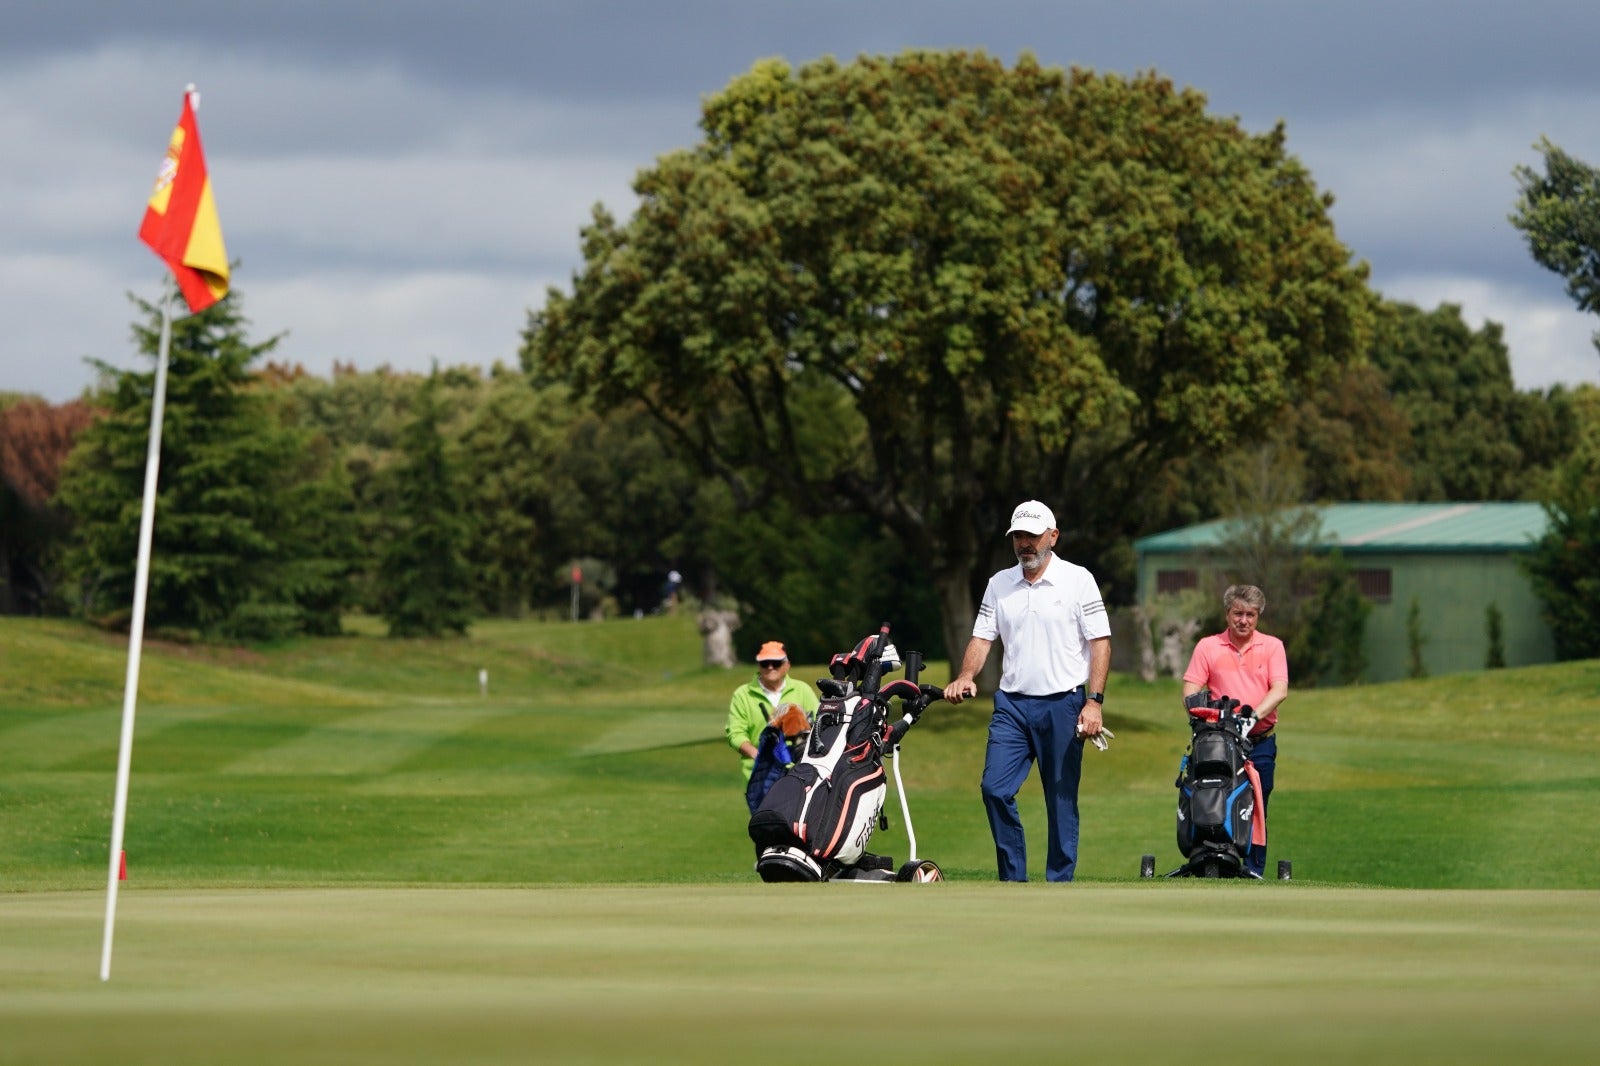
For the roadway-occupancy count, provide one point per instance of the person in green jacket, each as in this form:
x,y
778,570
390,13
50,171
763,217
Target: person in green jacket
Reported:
x,y
763,699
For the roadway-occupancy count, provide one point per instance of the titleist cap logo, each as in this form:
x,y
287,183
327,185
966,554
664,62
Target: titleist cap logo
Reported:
x,y
1031,517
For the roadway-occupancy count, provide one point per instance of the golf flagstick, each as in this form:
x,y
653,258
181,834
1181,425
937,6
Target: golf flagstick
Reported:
x,y
180,225
141,582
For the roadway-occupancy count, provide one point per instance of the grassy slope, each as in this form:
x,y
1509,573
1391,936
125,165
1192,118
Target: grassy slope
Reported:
x,y
289,804
597,756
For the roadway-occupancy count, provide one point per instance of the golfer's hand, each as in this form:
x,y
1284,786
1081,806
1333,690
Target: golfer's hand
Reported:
x,y
959,689
1090,720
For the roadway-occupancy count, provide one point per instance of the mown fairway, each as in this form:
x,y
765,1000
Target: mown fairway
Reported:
x,y
953,973
340,851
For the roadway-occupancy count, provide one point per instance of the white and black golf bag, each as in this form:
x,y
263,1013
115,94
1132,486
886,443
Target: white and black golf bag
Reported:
x,y
1220,811
816,820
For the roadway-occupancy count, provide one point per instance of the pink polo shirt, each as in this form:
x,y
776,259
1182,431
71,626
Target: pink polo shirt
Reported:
x,y
1245,675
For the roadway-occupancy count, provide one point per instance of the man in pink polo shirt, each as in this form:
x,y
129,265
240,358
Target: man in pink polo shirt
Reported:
x,y
1251,667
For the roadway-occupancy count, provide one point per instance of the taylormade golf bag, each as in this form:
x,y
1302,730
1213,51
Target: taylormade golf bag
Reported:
x,y
1220,809
815,822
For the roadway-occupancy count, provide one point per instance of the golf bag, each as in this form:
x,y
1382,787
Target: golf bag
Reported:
x,y
816,820
775,747
1220,808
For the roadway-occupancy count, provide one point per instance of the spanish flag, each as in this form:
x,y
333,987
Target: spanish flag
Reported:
x,y
180,224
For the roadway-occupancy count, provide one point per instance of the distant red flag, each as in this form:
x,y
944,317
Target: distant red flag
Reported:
x,y
180,224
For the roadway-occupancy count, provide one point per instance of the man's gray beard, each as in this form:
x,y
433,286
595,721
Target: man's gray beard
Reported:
x,y
1031,563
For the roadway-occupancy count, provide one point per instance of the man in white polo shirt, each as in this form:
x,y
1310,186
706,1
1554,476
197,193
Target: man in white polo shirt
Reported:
x,y
1057,636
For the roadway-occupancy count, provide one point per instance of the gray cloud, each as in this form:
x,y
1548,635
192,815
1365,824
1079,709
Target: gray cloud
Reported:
x,y
401,179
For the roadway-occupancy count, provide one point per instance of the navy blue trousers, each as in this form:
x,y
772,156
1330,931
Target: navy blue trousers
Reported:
x,y
1264,754
1025,730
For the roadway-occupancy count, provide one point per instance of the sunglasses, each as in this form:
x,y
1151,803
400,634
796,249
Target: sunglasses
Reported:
x,y
770,664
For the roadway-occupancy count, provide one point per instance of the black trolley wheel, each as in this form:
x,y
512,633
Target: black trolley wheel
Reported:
x,y
920,871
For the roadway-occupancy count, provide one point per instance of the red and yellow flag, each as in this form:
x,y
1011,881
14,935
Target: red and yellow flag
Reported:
x,y
180,224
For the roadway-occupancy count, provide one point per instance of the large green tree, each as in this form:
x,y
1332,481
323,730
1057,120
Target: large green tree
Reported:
x,y
999,283
1565,565
1559,213
247,528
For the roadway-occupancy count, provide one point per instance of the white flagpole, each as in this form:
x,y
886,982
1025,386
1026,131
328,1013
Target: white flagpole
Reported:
x,y
141,582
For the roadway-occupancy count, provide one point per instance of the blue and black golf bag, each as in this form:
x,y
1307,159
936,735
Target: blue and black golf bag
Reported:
x,y
1220,808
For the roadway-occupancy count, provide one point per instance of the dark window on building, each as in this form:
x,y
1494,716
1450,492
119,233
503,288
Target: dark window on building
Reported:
x,y
1375,585
1176,580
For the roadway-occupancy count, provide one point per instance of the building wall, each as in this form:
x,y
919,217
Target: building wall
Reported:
x,y
1453,592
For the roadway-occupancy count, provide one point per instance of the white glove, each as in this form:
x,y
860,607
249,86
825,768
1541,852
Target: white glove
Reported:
x,y
1102,739
889,659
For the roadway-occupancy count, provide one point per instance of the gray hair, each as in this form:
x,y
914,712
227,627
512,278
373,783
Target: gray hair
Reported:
x,y
1249,595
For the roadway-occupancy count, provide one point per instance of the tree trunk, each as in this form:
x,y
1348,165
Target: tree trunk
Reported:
x,y
717,628
955,603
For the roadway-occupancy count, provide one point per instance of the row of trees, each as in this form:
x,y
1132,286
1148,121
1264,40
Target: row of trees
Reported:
x,y
874,307
287,499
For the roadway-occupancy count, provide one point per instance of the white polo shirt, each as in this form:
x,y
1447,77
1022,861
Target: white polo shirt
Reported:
x,y
1046,626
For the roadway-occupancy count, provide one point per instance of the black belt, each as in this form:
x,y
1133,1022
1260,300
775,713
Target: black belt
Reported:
x,y
1047,695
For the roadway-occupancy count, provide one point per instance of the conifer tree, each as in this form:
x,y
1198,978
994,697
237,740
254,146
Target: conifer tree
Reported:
x,y
424,583
247,529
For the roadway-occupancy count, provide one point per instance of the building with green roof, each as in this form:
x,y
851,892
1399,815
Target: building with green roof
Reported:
x,y
1455,560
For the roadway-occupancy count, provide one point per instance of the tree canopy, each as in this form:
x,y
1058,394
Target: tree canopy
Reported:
x,y
35,439
924,288
1559,213
1454,386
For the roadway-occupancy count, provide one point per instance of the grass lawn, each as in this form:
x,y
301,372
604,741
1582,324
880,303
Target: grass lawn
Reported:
x,y
720,973
342,851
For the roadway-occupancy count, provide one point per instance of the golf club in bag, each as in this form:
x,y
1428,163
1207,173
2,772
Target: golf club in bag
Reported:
x,y
1220,807
815,821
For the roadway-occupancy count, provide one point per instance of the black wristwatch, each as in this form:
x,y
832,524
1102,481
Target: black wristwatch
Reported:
x,y
1096,697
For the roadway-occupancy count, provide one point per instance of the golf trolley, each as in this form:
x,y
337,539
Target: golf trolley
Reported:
x,y
1221,811
816,820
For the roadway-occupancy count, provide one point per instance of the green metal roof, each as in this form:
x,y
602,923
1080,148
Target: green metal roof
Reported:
x,y
1357,528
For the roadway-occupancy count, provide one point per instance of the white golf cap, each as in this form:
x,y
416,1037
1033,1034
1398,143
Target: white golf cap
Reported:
x,y
1031,517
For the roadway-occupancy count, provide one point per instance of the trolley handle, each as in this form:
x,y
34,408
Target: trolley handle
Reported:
x,y
913,705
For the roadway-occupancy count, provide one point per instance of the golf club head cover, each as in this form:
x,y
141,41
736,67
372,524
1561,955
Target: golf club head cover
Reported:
x,y
791,720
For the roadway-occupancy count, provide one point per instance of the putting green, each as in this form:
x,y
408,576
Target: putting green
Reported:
x,y
750,973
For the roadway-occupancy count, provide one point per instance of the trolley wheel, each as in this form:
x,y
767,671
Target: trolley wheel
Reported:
x,y
921,871
1147,866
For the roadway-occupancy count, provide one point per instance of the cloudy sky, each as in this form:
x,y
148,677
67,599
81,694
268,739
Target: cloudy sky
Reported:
x,y
401,180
